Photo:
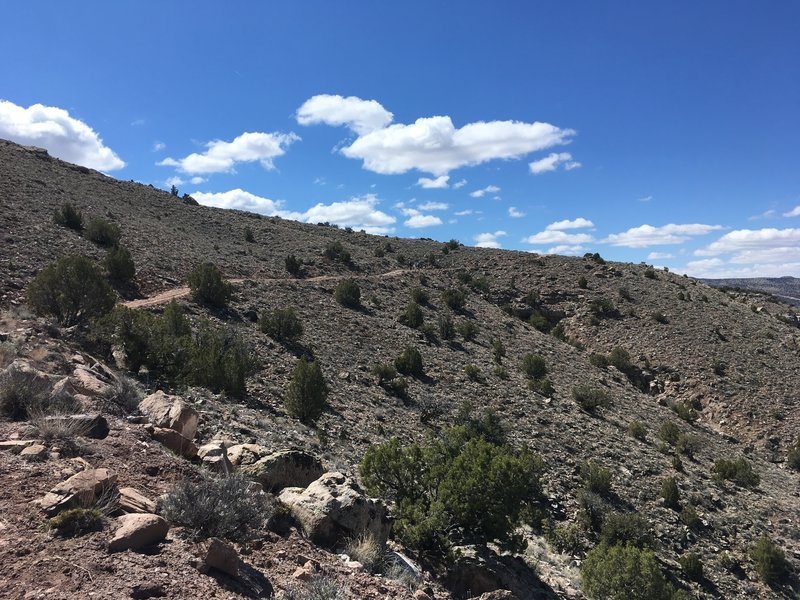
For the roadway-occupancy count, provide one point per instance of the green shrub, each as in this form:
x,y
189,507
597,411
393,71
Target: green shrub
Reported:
x,y
596,478
68,216
447,330
348,294
659,317
595,257
72,290
220,360
307,392
793,458
623,573
739,471
719,367
225,507
626,528
281,324
650,273
75,521
533,366
390,381
542,386
598,360
637,430
688,445
592,510
583,283
467,330
419,296
566,538
293,266
103,233
769,561
248,235
690,518
692,566
412,316
670,493
540,322
119,265
620,359
669,432
433,488
603,308
498,351
453,244
590,398
335,251
208,286
454,298
472,372
410,362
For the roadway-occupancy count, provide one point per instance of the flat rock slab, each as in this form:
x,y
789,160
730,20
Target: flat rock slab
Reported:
x,y
82,489
136,531
175,442
132,501
34,452
15,446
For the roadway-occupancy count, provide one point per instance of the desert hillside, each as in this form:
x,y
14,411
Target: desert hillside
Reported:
x,y
687,374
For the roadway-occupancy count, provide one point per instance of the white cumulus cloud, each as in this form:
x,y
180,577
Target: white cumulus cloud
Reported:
x,y
489,240
222,157
552,161
419,221
660,256
438,183
53,129
489,189
515,213
567,250
648,235
795,212
752,239
559,238
359,213
431,144
362,116
579,223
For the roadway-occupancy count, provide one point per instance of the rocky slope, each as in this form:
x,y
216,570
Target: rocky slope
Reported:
x,y
731,358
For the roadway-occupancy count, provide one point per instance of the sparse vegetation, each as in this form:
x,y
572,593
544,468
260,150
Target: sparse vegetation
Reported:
x,y
498,351
596,478
208,287
348,294
68,216
223,507
670,493
335,251
307,393
103,233
472,372
248,235
447,330
412,316
454,298
692,566
410,362
75,521
119,265
281,325
769,561
71,290
220,360
623,573
626,528
637,430
739,471
590,398
468,330
533,366
293,265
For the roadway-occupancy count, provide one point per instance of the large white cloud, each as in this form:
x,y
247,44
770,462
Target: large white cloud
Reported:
x,y
221,157
579,223
359,212
647,235
559,238
53,129
430,145
552,161
362,116
489,240
752,239
417,220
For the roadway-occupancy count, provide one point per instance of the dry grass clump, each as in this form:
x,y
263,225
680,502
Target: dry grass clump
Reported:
x,y
367,549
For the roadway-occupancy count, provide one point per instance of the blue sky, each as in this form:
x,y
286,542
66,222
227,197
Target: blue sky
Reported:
x,y
664,132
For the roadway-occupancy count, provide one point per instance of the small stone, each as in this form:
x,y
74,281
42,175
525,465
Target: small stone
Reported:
x,y
222,556
34,452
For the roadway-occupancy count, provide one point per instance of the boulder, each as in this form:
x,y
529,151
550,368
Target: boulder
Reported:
x,y
170,412
220,555
333,508
92,426
246,454
175,442
478,570
90,383
135,531
131,501
497,595
82,489
284,468
34,452
215,457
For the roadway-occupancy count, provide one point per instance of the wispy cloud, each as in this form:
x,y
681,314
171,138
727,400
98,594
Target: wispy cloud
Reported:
x,y
552,161
438,183
459,184
660,256
579,223
434,206
558,238
648,235
795,212
489,189
514,213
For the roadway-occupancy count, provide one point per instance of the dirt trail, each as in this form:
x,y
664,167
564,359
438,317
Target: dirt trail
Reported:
x,y
183,291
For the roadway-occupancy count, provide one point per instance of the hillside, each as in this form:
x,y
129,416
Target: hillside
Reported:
x,y
728,362
786,289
